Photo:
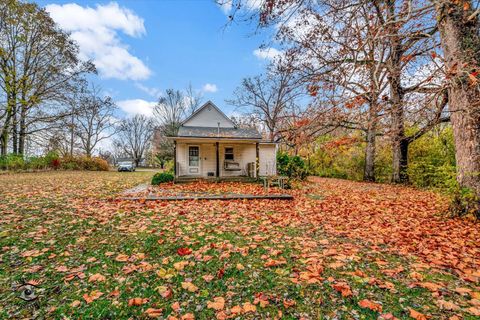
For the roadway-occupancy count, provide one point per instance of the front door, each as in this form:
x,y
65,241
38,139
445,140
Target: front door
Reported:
x,y
194,160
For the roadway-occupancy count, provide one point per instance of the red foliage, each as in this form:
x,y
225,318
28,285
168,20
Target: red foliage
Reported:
x,y
184,251
55,163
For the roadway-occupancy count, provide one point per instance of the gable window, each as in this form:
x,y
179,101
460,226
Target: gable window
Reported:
x,y
229,154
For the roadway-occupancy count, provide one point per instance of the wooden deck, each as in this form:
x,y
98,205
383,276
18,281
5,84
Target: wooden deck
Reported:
x,y
230,196
187,179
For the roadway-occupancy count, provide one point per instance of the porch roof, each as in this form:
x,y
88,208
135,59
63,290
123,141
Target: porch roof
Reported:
x,y
218,133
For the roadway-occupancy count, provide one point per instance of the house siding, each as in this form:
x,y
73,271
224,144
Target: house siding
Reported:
x,y
268,159
209,117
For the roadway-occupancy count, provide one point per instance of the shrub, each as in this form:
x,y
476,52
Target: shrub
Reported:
x,y
162,177
12,162
291,166
464,202
84,163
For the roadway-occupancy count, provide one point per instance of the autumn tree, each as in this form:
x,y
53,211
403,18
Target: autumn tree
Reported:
x,y
134,136
350,42
459,25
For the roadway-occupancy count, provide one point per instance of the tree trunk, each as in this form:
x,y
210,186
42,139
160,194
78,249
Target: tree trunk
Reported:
x,y
400,161
23,130
399,141
14,132
369,170
4,143
461,45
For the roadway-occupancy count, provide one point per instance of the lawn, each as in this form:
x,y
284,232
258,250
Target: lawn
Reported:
x,y
339,250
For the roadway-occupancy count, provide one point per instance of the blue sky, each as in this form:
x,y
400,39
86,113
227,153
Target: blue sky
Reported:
x,y
143,47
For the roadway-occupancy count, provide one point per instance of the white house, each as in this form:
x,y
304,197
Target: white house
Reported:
x,y
208,145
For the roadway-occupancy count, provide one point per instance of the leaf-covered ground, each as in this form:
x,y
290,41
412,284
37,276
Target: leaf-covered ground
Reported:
x,y
340,250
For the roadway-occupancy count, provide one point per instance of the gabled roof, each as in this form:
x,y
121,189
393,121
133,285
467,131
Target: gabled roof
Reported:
x,y
222,133
205,105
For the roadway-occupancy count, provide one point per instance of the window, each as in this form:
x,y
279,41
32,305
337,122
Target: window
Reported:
x,y
229,154
193,156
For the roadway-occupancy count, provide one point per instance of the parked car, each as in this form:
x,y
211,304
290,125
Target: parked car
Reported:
x,y
126,166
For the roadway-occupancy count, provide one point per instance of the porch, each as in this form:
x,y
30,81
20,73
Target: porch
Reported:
x,y
223,160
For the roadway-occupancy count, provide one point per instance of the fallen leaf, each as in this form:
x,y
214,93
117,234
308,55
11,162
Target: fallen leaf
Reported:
x,y
97,277
367,304
184,251
417,315
447,305
343,288
153,313
122,258
248,307
94,295
137,301
218,303
189,286
75,303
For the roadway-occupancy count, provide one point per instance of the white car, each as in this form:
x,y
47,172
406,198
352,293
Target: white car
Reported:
x,y
126,166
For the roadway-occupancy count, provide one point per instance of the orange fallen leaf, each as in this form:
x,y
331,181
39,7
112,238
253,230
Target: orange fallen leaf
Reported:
x,y
417,315
236,309
287,303
94,295
189,286
343,288
122,258
137,301
430,286
153,313
447,305
75,303
97,277
208,277
367,304
218,303
176,306
474,310
248,307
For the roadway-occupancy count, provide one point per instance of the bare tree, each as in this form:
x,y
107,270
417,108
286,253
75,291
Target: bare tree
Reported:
x,y
269,97
193,99
170,110
134,136
94,120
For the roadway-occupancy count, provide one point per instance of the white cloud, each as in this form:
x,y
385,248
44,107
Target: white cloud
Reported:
x,y
154,92
267,53
248,5
96,32
137,106
210,87
226,6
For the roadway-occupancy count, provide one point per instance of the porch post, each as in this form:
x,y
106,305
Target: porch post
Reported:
x,y
175,158
217,169
257,161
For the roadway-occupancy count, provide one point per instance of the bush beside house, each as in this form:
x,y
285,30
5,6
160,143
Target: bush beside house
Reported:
x,y
291,166
162,177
